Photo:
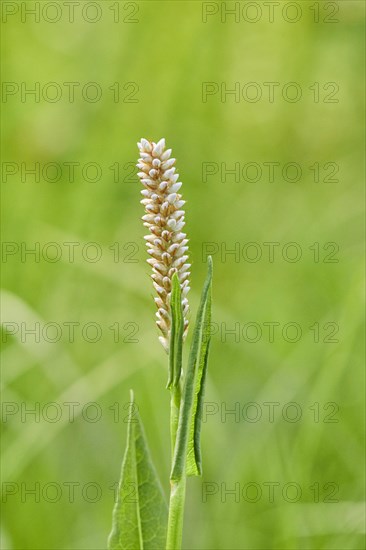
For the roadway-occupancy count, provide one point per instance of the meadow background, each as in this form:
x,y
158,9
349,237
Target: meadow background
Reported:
x,y
166,50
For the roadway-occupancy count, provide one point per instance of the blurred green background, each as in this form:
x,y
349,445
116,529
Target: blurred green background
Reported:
x,y
160,54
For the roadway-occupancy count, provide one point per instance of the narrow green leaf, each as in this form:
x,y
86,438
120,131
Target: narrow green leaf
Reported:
x,y
140,513
176,334
187,459
194,462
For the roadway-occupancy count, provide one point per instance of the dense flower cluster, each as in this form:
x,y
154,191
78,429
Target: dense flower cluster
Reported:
x,y
166,242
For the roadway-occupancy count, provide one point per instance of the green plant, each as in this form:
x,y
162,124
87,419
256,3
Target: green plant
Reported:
x,y
145,522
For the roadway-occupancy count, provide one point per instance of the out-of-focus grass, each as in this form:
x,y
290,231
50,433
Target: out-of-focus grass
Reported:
x,y
169,53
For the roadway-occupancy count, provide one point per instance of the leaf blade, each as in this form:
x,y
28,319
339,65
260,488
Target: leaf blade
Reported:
x,y
140,512
194,460
188,437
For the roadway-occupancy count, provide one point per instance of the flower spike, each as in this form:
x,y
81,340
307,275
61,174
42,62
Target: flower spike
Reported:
x,y
166,242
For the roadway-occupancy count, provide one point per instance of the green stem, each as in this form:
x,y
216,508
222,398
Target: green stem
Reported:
x,y
177,488
175,398
176,512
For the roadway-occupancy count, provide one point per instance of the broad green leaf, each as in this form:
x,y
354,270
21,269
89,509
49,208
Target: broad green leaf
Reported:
x,y
140,513
187,459
176,333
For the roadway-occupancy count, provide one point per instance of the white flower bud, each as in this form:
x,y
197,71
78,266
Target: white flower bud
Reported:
x,y
158,148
